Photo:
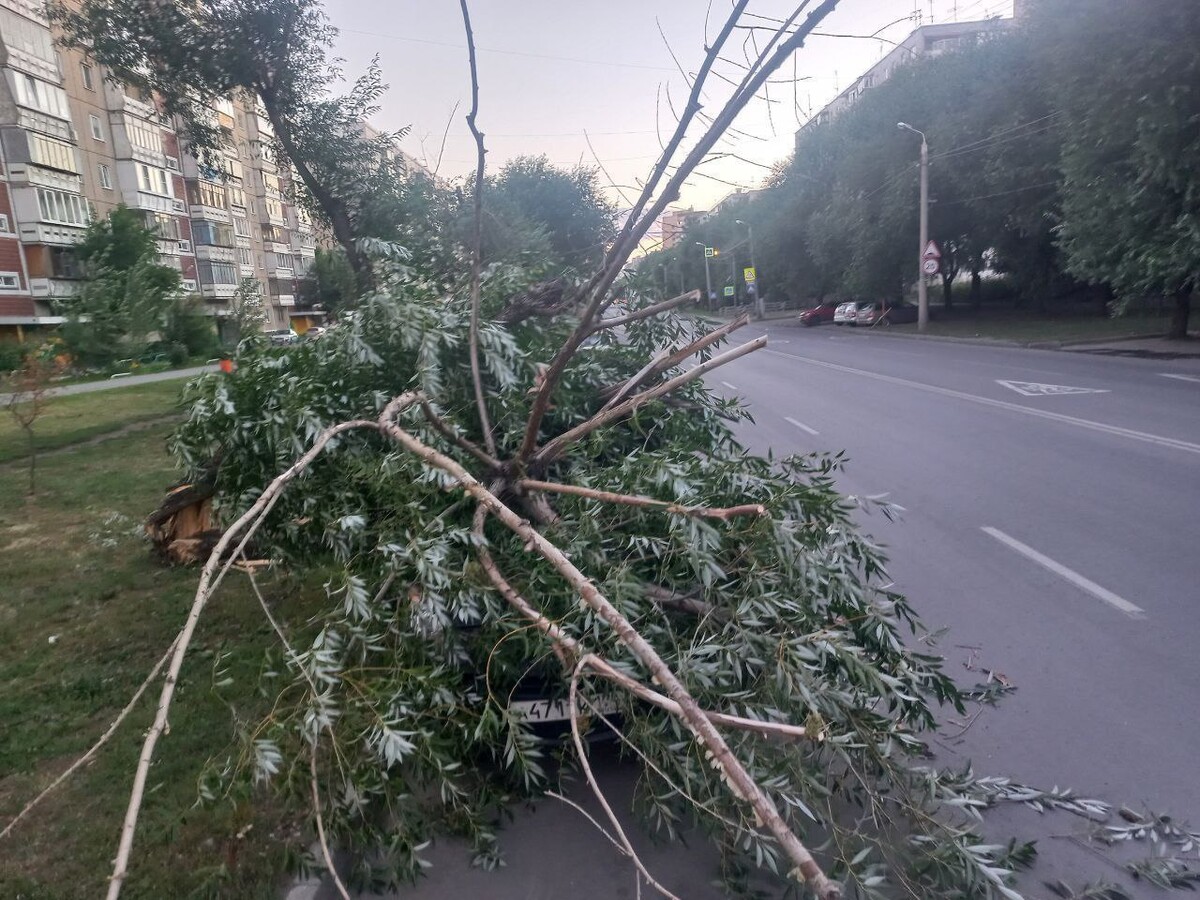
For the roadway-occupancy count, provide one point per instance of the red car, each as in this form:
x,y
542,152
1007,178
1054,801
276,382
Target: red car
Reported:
x,y
818,314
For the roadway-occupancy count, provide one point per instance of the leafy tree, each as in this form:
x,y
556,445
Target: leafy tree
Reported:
x,y
126,295
1125,76
188,329
329,282
564,210
276,53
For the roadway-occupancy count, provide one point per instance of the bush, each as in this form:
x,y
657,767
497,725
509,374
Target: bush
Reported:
x,y
187,327
177,354
11,356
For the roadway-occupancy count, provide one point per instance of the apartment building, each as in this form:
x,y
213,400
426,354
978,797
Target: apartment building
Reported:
x,y
925,40
74,145
675,222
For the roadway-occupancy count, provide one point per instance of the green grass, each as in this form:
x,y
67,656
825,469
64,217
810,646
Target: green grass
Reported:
x,y
76,418
84,613
1031,328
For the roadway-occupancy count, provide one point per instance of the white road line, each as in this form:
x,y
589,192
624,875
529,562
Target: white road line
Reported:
x,y
1115,430
1084,584
1180,377
800,425
732,387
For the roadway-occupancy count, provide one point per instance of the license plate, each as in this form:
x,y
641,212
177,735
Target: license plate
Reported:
x,y
557,710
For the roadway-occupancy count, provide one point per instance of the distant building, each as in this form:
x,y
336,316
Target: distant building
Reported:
x,y
676,222
925,40
732,199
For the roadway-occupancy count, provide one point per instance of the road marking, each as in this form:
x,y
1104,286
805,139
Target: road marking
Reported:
x,y
800,425
1180,377
1037,389
732,387
1084,584
1114,430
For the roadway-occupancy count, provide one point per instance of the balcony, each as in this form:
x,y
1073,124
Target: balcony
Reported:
x,y
21,174
211,213
53,287
51,235
218,291
286,299
30,9
34,65
139,108
136,199
215,254
44,124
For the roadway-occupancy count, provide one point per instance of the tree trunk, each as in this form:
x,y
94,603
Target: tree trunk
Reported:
x,y
976,290
1179,318
947,293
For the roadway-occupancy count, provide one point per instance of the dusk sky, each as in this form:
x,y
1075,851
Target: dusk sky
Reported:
x,y
551,70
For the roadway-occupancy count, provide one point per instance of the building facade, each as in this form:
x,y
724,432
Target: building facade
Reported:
x,y
675,222
925,40
75,144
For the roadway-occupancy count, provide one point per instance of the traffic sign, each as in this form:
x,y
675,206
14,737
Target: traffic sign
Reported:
x,y
749,274
708,253
931,251
729,290
930,265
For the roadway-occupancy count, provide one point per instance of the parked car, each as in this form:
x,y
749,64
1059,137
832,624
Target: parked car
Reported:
x,y
847,313
283,337
885,313
818,314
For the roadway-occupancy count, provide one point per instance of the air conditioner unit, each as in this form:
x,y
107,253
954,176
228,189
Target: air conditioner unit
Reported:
x,y
173,163
185,246
177,206
188,284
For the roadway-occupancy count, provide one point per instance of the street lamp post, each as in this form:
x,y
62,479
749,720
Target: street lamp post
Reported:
x,y
759,310
922,288
707,275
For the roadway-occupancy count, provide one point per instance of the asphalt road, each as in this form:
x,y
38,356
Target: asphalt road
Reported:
x,y
1054,533
88,387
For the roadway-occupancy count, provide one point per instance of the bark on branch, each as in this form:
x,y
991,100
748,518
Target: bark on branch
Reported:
x,y
646,313
743,787
553,449
723,513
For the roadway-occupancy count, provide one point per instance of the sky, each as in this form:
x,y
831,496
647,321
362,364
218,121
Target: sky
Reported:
x,y
589,83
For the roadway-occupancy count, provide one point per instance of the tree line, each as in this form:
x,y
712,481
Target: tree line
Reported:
x,y
1064,156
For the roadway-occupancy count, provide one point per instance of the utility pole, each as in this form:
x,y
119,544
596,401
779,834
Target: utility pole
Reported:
x,y
756,287
922,288
707,274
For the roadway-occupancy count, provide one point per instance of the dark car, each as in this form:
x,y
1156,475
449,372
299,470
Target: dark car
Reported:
x,y
818,314
886,313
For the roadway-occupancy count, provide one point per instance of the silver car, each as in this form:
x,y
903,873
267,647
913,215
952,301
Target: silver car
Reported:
x,y
847,313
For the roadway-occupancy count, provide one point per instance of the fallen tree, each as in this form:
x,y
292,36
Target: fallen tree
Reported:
x,y
502,495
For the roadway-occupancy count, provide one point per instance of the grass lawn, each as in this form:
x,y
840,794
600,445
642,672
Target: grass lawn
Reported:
x,y
69,420
1030,327
84,613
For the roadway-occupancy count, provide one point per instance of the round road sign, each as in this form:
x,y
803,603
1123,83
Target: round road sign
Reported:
x,y
930,266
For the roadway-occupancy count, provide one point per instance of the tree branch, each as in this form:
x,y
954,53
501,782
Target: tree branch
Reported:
x,y
316,799
653,310
622,246
663,361
442,427
477,238
210,579
553,449
735,775
750,509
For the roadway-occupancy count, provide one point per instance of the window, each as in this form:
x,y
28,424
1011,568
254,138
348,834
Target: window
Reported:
x,y
89,81
211,235
64,263
26,36
154,181
217,273
10,281
97,127
4,223
274,209
205,193
62,208
105,176
237,197
163,226
245,257
52,154
144,135
39,95
241,227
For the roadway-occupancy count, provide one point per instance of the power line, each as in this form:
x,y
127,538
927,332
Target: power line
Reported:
x,y
572,59
994,137
1028,187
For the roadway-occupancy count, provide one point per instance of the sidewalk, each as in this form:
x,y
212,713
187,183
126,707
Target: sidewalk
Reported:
x,y
88,387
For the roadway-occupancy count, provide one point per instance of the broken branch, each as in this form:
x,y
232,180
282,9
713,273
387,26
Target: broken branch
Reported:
x,y
443,428
653,310
553,449
726,513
